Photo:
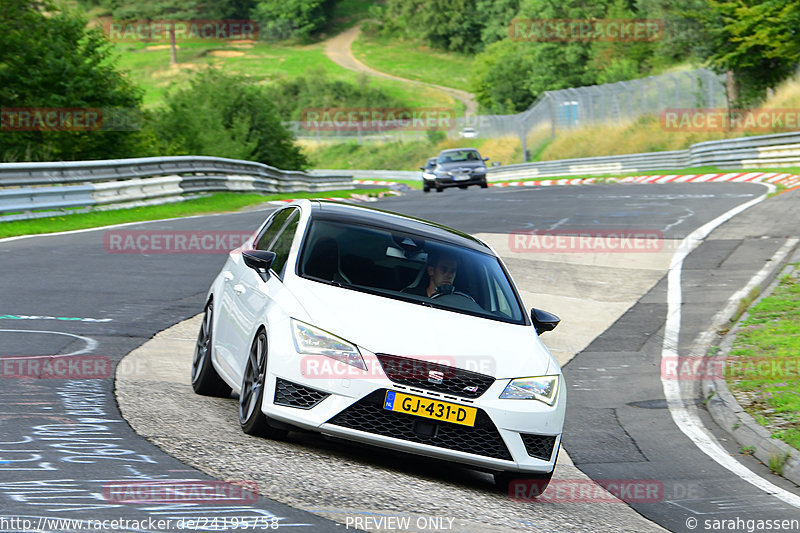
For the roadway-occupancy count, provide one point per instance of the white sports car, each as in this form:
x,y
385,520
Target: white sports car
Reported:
x,y
384,329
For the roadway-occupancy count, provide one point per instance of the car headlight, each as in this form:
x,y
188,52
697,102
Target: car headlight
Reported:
x,y
314,341
542,388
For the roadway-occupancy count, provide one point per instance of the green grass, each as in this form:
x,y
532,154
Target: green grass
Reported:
x,y
765,358
149,68
409,155
414,61
213,203
393,155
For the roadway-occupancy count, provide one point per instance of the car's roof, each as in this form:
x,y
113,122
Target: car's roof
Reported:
x,y
458,150
368,216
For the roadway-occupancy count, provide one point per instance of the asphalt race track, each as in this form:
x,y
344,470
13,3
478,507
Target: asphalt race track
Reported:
x,y
64,445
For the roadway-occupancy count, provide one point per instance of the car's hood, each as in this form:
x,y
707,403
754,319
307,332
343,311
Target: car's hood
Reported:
x,y
384,325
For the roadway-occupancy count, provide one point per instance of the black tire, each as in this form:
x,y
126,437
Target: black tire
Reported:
x,y
484,184
425,188
439,189
251,396
522,485
205,379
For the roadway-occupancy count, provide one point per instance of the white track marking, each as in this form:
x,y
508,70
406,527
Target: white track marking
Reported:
x,y
91,344
687,420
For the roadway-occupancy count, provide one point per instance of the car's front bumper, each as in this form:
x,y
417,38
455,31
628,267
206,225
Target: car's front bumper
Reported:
x,y
449,181
353,410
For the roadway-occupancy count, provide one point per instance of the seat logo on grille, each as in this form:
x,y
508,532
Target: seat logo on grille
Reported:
x,y
473,388
434,376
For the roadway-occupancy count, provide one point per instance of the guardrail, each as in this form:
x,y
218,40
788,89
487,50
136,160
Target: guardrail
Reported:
x,y
765,151
36,189
24,190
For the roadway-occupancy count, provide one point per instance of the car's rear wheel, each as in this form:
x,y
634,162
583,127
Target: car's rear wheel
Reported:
x,y
205,379
251,396
519,485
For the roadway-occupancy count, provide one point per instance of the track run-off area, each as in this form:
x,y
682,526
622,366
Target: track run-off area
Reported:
x,y
132,314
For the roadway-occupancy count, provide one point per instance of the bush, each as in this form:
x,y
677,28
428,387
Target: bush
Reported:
x,y
292,96
51,60
226,116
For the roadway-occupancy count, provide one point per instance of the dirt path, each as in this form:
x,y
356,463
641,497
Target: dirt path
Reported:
x,y
338,49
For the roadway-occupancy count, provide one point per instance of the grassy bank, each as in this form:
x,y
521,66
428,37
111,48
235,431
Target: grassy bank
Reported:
x,y
645,134
149,67
765,358
414,61
404,155
213,203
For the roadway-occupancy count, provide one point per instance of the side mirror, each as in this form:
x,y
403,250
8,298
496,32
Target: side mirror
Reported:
x,y
543,321
422,168
485,158
260,261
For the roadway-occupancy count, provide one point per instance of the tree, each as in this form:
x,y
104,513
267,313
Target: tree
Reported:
x,y
614,61
495,17
500,77
281,19
754,40
454,25
51,60
560,65
225,116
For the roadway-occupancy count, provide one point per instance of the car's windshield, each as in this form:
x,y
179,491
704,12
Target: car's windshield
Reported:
x,y
459,155
408,267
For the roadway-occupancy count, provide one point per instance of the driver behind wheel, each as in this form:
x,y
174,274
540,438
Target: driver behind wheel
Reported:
x,y
441,270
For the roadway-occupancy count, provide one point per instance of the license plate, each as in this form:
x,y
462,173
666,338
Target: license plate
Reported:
x,y
428,408
461,178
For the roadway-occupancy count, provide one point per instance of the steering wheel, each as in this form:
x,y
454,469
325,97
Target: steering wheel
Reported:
x,y
448,290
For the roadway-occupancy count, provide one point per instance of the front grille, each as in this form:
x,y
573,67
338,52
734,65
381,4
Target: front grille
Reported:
x,y
417,373
369,415
539,446
295,395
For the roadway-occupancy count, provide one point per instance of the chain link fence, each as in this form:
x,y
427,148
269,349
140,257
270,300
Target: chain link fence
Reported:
x,y
604,104
565,109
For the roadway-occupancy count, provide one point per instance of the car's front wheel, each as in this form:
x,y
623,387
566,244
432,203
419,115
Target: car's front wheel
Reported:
x,y
484,184
251,396
205,379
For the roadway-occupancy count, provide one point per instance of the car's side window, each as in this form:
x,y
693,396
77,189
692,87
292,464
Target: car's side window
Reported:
x,y
283,244
272,229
